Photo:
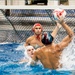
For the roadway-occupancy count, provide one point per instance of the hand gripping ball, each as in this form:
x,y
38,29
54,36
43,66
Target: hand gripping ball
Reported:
x,y
59,14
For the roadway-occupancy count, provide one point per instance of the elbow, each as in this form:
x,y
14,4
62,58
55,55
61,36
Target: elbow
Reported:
x,y
71,35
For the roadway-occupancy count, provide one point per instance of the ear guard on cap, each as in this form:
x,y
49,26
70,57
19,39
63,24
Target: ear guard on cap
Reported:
x,y
47,38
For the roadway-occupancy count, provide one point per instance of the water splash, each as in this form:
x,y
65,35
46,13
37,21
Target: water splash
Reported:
x,y
67,58
9,64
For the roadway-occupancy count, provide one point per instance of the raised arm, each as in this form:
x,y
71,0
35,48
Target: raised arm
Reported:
x,y
55,31
68,38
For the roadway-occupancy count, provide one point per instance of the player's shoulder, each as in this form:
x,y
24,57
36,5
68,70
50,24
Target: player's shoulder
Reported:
x,y
30,38
40,49
58,46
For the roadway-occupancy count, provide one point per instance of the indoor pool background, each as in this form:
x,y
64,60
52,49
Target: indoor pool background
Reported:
x,y
15,26
10,55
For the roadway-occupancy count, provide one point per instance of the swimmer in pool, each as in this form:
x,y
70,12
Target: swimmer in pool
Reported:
x,y
49,54
28,55
35,40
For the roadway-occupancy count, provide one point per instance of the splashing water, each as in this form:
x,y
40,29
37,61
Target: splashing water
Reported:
x,y
67,58
11,53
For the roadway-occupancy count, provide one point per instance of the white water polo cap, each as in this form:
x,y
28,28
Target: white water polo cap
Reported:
x,y
26,49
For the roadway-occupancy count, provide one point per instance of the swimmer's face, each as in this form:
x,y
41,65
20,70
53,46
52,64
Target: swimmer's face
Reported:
x,y
30,51
38,30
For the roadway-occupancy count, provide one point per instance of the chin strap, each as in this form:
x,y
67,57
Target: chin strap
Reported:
x,y
38,37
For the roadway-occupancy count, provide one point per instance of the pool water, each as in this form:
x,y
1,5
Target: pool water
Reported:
x,y
12,53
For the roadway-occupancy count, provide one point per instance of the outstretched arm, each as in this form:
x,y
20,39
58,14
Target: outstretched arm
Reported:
x,y
55,31
68,38
68,29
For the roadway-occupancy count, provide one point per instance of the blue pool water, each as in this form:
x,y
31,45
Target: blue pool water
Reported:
x,y
10,55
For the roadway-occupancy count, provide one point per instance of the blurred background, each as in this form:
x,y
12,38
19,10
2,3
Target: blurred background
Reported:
x,y
37,2
16,24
